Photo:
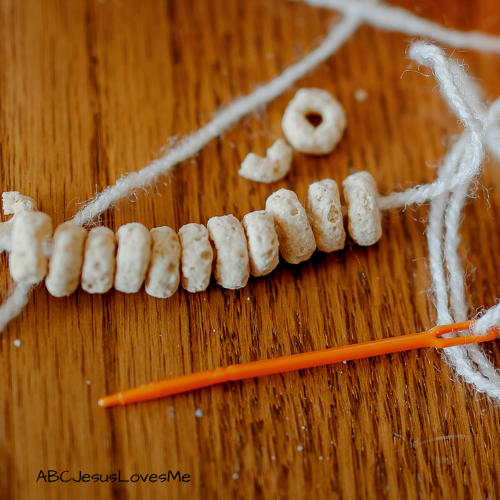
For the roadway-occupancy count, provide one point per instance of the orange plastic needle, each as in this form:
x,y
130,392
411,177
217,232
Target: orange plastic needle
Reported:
x,y
186,383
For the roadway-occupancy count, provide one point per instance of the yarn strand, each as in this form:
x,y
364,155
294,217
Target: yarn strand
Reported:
x,y
14,305
397,19
465,105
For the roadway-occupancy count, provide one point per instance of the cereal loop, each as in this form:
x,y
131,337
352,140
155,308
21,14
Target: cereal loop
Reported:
x,y
301,133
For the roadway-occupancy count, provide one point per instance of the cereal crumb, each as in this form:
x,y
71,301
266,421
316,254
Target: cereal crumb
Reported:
x,y
17,343
198,413
88,382
299,448
360,95
273,458
235,476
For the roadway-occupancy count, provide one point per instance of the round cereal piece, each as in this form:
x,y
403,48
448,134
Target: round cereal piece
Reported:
x,y
360,193
196,257
98,272
323,205
164,270
132,257
273,167
263,245
296,239
31,240
65,264
302,134
231,266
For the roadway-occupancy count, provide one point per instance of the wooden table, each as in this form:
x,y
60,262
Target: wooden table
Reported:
x,y
92,89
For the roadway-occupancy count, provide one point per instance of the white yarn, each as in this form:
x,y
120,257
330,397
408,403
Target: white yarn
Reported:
x,y
469,362
456,356
397,19
461,358
435,233
451,243
492,316
492,132
14,304
467,150
465,105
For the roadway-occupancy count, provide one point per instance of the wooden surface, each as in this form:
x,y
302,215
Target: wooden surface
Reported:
x,y
89,90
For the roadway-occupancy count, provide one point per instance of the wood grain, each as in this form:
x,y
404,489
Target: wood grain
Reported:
x,y
92,89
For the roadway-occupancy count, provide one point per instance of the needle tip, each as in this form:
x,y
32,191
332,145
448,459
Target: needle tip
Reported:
x,y
108,401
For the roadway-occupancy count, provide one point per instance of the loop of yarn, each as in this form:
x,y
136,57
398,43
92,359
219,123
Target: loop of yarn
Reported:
x,y
447,193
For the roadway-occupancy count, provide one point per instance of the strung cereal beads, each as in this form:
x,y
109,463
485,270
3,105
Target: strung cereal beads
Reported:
x,y
98,273
67,260
164,274
295,235
232,268
196,257
163,259
323,204
132,257
31,233
263,245
360,193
